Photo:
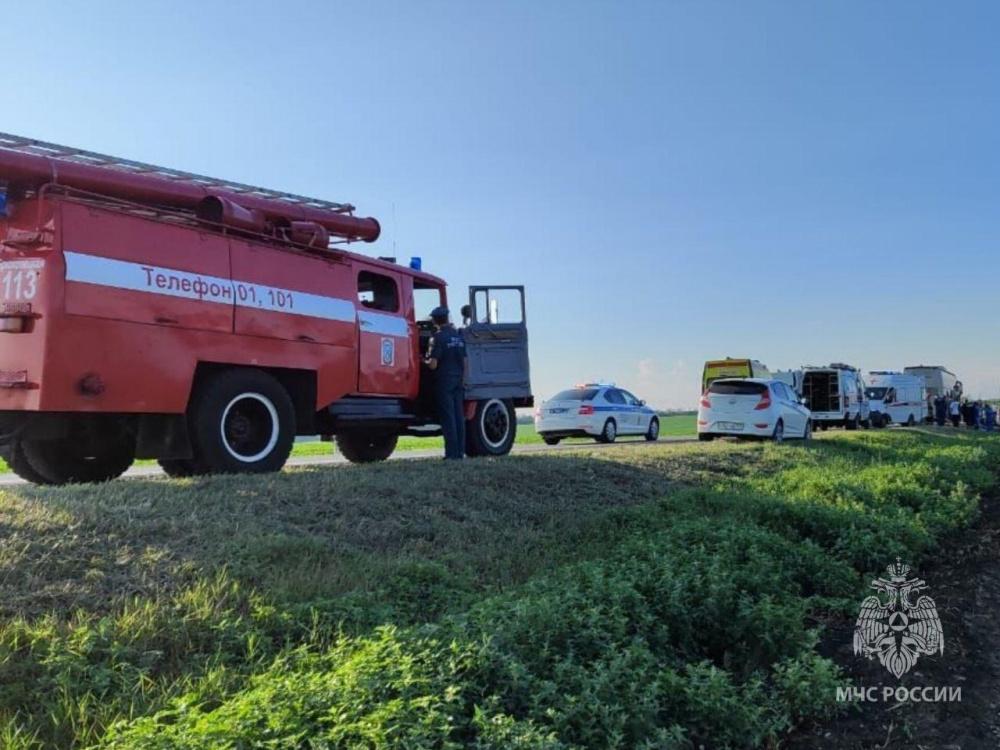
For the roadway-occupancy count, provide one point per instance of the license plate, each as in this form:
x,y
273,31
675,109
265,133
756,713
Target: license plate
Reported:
x,y
558,411
730,425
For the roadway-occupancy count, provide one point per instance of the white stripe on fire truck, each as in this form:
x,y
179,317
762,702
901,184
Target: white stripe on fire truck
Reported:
x,y
387,325
141,277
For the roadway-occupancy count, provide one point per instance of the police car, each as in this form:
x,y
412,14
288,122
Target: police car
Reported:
x,y
598,410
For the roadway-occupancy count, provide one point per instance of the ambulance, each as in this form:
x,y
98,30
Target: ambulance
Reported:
x,y
896,398
732,368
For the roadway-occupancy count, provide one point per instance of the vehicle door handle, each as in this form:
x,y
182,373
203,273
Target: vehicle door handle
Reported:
x,y
304,337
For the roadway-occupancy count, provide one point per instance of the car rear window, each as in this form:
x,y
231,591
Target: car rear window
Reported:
x,y
736,388
576,394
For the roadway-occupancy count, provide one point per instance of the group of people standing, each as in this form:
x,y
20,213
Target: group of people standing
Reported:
x,y
976,415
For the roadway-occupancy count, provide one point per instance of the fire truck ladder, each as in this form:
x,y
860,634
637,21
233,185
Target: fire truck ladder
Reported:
x,y
67,153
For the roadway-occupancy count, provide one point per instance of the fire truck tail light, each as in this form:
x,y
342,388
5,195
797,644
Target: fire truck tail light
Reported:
x,y
586,410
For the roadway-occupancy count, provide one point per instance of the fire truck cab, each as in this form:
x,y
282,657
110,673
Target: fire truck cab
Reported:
x,y
149,313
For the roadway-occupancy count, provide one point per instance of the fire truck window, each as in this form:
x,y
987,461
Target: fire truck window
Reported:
x,y
425,300
377,292
495,306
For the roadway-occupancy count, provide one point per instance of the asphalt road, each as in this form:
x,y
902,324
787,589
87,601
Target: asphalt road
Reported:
x,y
335,458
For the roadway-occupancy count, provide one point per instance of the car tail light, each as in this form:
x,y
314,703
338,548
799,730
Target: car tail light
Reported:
x,y
702,422
761,425
704,400
586,410
765,401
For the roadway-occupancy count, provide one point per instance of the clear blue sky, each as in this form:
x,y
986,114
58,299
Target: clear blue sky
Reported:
x,y
797,182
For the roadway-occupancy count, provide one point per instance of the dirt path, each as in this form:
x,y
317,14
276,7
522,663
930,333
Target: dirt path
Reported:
x,y
964,581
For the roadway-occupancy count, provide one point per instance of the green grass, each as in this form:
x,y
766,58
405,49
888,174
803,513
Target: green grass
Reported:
x,y
675,425
655,596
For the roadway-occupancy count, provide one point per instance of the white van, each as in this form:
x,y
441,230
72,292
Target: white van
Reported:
x,y
896,397
836,396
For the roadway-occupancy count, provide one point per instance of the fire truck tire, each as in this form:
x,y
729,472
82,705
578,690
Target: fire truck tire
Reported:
x,y
241,421
68,460
363,448
492,429
179,467
13,454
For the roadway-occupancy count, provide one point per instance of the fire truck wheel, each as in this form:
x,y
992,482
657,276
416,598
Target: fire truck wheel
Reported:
x,y
241,421
492,429
69,460
179,467
13,454
363,448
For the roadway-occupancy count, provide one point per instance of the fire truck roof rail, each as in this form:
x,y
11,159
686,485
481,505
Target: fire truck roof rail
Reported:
x,y
79,156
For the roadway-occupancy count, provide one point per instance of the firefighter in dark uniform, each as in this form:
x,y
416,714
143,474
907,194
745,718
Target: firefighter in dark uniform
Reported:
x,y
446,357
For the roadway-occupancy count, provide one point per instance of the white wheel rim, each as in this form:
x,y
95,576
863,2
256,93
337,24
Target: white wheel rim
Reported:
x,y
272,439
654,429
609,430
483,432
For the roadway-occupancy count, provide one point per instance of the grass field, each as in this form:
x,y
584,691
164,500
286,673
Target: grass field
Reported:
x,y
674,425
651,596
670,426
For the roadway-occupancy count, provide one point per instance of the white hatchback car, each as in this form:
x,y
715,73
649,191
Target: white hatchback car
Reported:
x,y
595,410
752,407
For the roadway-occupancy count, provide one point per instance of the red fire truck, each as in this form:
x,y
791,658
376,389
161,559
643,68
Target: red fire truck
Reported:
x,y
152,313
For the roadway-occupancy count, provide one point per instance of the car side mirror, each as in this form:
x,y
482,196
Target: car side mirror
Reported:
x,y
802,400
641,402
